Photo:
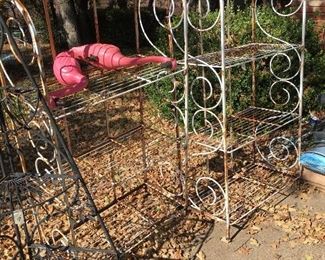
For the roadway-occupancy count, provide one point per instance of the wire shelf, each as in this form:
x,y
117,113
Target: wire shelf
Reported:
x,y
248,190
241,55
129,223
105,85
23,191
243,128
119,166
132,206
147,212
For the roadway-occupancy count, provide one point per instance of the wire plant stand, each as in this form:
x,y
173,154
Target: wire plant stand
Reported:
x,y
264,131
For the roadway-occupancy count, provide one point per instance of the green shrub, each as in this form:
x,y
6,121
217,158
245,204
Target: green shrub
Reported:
x,y
239,22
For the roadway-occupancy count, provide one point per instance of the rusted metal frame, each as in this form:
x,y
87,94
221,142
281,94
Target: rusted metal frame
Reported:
x,y
142,131
67,132
49,28
186,106
136,26
301,84
96,23
201,51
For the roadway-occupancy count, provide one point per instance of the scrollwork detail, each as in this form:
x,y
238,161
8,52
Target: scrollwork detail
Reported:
x,y
286,94
211,189
202,17
273,5
279,151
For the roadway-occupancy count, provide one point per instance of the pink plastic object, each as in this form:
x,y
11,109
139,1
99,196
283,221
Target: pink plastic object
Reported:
x,y
106,56
68,72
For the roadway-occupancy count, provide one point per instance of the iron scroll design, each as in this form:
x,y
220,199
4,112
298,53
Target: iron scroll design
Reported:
x,y
280,149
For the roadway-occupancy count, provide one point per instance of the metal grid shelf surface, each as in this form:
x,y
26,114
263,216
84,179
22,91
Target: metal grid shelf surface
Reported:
x,y
249,190
129,226
121,163
105,85
27,190
244,128
241,54
131,204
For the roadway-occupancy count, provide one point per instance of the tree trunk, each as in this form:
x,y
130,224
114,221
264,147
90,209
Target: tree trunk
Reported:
x,y
68,15
84,22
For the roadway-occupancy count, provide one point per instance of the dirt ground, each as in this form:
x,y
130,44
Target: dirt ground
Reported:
x,y
290,230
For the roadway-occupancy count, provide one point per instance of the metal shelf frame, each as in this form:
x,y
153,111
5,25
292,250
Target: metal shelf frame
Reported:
x,y
248,192
240,55
39,197
243,128
227,133
106,85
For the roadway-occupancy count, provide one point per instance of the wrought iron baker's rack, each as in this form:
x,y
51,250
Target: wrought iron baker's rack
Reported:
x,y
265,134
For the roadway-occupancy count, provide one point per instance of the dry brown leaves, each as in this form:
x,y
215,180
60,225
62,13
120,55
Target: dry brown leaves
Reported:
x,y
301,226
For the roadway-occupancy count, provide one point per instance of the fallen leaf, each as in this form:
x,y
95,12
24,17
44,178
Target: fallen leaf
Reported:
x,y
200,255
293,243
225,240
274,245
255,229
244,250
309,257
254,242
292,209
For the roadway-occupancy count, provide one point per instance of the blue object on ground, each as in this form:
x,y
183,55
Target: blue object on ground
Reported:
x,y
314,159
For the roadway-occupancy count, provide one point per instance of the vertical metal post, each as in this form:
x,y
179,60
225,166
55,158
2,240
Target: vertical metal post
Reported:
x,y
67,132
253,10
186,94
176,115
201,47
229,83
143,142
96,21
253,21
136,26
170,37
108,129
224,114
301,87
49,28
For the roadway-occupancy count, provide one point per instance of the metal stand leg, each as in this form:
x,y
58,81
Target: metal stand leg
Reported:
x,y
67,133
143,142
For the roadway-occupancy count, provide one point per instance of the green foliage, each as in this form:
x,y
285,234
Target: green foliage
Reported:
x,y
240,32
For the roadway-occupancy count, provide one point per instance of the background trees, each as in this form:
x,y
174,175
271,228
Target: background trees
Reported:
x,y
72,20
